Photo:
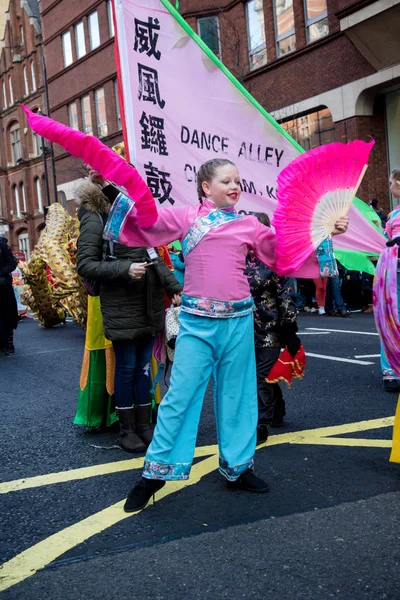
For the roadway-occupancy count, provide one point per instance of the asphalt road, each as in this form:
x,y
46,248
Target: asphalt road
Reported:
x,y
327,529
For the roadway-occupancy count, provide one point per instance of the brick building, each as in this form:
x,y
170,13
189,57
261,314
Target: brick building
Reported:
x,y
78,45
22,189
327,69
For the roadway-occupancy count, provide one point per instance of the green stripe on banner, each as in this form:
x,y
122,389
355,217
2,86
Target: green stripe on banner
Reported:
x,y
356,261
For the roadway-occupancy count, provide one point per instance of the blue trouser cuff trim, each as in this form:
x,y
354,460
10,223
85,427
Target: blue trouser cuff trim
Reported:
x,y
233,473
171,472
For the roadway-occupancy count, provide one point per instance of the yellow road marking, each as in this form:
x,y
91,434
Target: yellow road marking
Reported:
x,y
296,437
28,562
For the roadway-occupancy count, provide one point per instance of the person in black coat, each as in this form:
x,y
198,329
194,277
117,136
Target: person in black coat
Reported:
x,y
132,299
8,303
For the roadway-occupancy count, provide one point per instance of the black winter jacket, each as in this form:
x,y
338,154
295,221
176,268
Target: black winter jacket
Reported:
x,y
8,262
131,309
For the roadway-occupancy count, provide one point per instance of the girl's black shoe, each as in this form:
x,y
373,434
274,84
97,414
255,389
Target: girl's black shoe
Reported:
x,y
142,492
249,483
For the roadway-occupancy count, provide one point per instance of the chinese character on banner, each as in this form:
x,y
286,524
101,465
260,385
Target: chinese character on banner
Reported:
x,y
149,90
159,184
146,37
152,134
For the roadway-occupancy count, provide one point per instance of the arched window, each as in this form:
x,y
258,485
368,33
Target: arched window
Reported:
x,y
11,91
4,95
23,244
39,194
23,198
62,198
33,77
16,201
15,139
26,81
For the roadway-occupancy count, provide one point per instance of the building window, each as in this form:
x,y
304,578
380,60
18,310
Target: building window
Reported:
x,y
80,40
86,115
256,34
312,130
316,19
208,29
4,95
33,77
23,244
11,91
94,32
21,35
26,81
67,48
284,27
110,19
37,144
16,201
39,194
101,119
62,198
119,121
73,116
23,198
15,139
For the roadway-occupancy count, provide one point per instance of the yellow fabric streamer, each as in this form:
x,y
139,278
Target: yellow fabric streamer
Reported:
x,y
95,339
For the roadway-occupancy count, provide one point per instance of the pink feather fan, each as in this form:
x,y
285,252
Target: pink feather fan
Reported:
x,y
101,158
314,191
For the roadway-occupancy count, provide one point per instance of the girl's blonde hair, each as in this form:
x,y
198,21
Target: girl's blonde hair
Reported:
x,y
207,172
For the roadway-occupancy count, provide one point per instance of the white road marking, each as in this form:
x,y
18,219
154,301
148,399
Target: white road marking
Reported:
x,y
339,359
367,356
342,331
313,333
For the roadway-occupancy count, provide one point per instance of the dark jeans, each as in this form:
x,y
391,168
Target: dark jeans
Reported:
x,y
334,294
271,405
132,372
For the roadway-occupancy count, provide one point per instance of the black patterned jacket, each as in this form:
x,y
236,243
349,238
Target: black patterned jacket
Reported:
x,y
275,314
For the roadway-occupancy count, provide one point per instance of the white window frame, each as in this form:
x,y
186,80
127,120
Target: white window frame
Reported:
x,y
34,86
99,125
202,19
11,91
87,127
252,51
80,41
39,194
37,144
93,24
111,30
23,197
5,94
23,244
117,106
70,120
66,43
309,22
16,147
21,34
16,199
283,36
26,84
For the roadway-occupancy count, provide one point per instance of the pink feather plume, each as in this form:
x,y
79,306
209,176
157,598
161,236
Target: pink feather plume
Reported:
x,y
101,158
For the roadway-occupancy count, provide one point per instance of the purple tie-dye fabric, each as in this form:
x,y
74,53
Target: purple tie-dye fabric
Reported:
x,y
386,308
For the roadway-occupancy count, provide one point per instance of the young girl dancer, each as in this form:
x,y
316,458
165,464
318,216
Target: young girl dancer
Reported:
x,y
216,335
